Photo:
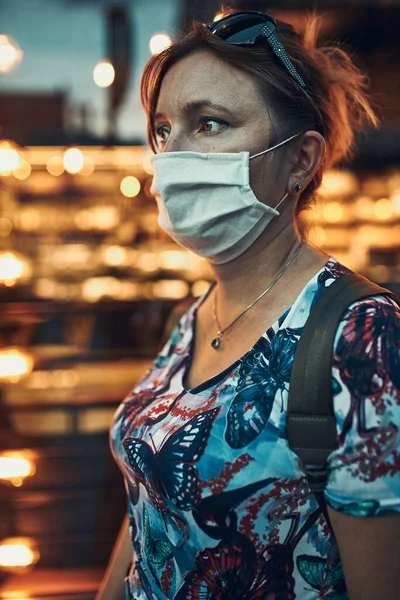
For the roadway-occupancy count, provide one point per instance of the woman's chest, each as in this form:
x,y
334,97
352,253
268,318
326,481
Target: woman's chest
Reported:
x,y
181,445
212,353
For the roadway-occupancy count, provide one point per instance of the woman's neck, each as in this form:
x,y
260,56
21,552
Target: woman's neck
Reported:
x,y
242,280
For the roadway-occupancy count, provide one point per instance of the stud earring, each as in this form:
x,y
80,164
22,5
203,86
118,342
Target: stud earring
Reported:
x,y
296,187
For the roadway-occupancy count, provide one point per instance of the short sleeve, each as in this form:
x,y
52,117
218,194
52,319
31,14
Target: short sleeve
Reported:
x,y
364,471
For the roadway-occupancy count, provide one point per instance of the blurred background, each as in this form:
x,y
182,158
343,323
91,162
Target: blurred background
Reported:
x,y
87,279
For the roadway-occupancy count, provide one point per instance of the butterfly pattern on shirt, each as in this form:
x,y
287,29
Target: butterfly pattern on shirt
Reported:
x,y
168,473
216,463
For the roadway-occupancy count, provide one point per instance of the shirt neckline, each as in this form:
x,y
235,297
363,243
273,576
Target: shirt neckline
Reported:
x,y
278,324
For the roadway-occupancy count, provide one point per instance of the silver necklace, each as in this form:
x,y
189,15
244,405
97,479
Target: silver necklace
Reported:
x,y
216,343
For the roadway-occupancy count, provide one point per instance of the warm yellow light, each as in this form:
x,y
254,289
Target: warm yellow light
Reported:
x,y
73,160
173,259
105,217
395,199
23,171
10,54
130,186
5,227
14,363
336,183
170,288
14,466
88,166
383,209
148,262
104,74
9,158
84,219
11,267
363,208
30,219
55,166
17,552
159,42
115,256
96,288
393,182
45,288
60,378
332,212
71,256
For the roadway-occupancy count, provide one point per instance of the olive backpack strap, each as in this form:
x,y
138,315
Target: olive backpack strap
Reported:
x,y
311,422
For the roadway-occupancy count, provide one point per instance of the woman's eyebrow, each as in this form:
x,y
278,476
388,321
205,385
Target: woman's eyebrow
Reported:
x,y
197,105
200,104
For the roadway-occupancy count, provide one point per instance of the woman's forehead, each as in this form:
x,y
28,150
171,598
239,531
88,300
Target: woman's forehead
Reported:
x,y
203,76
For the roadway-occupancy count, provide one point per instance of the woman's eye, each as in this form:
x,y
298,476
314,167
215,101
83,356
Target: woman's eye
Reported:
x,y
210,125
162,134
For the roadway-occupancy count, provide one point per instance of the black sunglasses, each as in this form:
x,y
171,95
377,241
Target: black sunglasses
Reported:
x,y
252,27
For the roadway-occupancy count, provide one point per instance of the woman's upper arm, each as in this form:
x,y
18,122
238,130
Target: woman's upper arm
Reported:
x,y
363,487
370,552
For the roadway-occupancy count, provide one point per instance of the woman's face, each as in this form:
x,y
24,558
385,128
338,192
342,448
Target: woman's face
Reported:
x,y
207,105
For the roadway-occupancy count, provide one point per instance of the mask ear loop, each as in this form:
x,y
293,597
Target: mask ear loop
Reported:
x,y
280,202
277,146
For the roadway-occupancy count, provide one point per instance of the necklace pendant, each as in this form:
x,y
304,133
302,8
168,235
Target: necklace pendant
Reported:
x,y
216,343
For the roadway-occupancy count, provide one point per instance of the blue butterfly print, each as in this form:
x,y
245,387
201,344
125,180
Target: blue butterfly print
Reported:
x,y
315,572
263,372
168,473
157,551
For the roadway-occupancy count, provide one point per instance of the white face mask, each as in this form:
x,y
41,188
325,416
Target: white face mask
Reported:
x,y
206,204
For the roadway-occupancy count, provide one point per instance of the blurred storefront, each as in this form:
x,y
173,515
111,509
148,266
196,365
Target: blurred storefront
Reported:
x,y
87,281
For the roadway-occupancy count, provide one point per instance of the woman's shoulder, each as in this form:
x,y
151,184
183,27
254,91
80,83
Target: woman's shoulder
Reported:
x,y
366,398
380,304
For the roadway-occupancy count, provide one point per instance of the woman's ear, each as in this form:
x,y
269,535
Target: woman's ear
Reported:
x,y
309,155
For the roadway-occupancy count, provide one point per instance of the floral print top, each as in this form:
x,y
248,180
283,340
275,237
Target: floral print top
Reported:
x,y
218,504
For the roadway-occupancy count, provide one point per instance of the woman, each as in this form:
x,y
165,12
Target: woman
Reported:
x,y
244,119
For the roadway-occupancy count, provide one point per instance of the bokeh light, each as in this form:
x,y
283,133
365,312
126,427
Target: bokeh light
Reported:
x,y
10,158
10,54
104,74
364,208
158,42
88,167
130,186
332,212
23,171
55,166
15,466
14,363
395,198
73,160
383,209
337,183
11,267
115,256
17,552
170,288
6,226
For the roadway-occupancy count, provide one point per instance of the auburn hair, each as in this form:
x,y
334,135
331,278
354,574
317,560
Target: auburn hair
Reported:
x,y
335,102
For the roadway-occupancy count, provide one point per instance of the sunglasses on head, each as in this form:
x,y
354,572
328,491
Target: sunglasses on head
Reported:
x,y
252,27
